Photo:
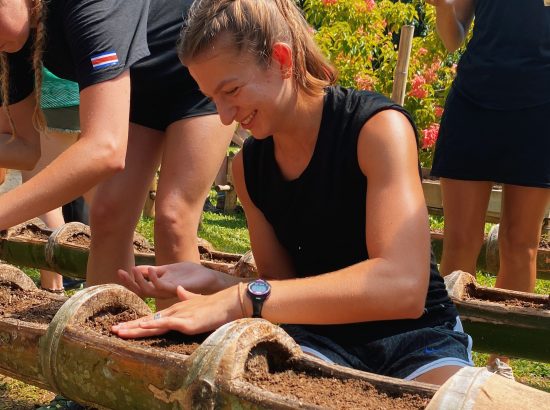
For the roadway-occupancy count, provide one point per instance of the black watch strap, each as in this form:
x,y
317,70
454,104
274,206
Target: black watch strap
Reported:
x,y
257,305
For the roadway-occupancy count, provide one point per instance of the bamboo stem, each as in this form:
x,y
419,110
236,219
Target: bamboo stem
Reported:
x,y
403,56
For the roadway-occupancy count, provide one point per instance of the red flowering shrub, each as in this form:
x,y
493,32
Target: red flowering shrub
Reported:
x,y
361,37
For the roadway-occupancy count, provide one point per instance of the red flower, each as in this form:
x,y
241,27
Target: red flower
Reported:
x,y
329,2
430,135
438,111
370,4
417,89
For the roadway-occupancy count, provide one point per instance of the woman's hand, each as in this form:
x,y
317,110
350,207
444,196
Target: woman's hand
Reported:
x,y
162,281
194,314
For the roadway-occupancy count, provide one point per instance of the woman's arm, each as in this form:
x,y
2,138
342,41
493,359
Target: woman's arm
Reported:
x,y
98,154
23,151
453,20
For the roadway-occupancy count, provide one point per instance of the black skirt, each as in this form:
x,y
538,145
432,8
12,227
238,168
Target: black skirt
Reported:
x,y
481,144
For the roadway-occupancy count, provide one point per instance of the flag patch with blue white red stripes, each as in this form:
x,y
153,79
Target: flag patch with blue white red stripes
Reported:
x,y
103,60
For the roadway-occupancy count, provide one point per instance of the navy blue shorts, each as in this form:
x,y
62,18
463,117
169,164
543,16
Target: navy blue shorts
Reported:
x,y
405,356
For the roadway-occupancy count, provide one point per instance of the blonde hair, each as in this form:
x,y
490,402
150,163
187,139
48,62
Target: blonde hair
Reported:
x,y
38,14
255,26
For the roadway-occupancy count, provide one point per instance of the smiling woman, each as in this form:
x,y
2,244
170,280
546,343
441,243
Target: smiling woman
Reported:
x,y
358,289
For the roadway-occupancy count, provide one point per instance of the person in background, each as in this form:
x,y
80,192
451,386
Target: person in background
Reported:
x,y
351,279
494,130
139,108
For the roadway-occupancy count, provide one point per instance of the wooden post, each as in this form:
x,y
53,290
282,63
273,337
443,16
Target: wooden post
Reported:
x,y
400,73
149,207
229,202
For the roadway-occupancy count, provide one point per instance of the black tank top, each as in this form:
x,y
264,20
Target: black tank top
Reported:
x,y
506,64
319,217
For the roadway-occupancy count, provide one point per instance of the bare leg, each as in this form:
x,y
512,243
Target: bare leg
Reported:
x,y
464,206
518,239
117,205
438,376
194,150
519,235
52,144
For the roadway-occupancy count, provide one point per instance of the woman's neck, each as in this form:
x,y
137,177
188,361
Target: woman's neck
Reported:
x,y
296,140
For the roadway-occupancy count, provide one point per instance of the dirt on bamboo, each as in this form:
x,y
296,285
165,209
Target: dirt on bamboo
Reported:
x,y
325,392
30,306
479,293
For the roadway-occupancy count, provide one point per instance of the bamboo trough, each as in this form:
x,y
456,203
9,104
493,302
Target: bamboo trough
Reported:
x,y
227,370
106,372
502,321
66,251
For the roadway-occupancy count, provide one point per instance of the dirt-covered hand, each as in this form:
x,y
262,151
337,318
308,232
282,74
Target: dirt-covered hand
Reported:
x,y
194,314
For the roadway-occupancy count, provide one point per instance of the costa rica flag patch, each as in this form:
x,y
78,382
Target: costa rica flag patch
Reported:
x,y
103,60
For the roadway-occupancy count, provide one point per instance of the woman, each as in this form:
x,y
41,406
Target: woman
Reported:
x,y
494,130
139,108
347,271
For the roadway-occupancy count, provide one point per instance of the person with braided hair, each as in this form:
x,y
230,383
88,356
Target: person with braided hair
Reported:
x,y
139,108
344,265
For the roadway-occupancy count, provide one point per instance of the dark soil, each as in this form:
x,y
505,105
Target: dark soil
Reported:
x,y
172,341
29,306
31,232
79,239
83,239
475,293
328,392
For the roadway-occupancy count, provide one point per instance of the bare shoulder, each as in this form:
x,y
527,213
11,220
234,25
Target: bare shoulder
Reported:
x,y
385,129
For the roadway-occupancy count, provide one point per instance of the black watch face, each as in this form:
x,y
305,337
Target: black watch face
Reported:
x,y
259,287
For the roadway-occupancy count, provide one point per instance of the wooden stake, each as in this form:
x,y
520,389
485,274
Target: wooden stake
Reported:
x,y
403,56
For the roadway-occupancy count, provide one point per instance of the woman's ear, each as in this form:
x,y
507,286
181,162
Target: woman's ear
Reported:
x,y
282,54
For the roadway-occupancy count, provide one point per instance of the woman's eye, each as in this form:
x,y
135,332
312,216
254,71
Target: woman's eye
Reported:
x,y
232,91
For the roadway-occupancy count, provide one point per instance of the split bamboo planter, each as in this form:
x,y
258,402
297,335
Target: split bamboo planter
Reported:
x,y
111,373
502,321
66,251
106,372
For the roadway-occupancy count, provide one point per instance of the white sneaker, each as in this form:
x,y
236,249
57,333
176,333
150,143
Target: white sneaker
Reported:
x,y
502,369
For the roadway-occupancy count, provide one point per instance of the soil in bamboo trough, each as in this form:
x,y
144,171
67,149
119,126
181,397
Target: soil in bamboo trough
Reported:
x,y
323,391
29,306
175,342
82,239
31,232
481,294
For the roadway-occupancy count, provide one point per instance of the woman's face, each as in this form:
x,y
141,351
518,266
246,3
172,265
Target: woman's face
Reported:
x,y
15,18
242,89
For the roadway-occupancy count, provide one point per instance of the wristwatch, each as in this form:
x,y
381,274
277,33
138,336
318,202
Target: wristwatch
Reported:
x,y
258,291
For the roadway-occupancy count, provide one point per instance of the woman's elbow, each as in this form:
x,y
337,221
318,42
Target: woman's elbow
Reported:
x,y
414,300
111,157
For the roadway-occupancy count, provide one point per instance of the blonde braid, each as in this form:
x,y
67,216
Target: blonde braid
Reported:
x,y
5,84
39,11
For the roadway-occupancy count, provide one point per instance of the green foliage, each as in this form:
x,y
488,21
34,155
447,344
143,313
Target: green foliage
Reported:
x,y
361,38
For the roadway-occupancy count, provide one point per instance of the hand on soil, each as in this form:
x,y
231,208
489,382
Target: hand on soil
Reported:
x,y
193,315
